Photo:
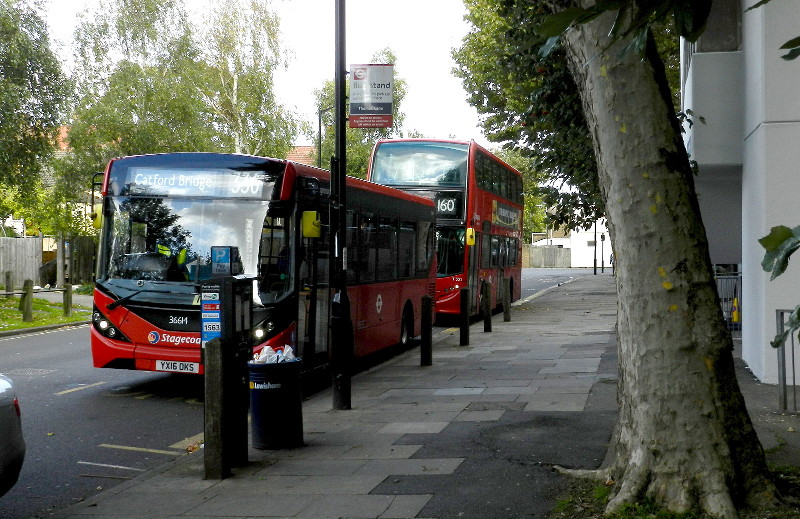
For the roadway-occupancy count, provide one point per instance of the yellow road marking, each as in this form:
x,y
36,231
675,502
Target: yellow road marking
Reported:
x,y
139,449
80,388
188,441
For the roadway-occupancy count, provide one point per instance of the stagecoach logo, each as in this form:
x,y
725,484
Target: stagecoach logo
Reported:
x,y
154,337
379,303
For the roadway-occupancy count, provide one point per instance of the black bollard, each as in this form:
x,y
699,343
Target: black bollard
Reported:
x,y
464,317
486,306
426,348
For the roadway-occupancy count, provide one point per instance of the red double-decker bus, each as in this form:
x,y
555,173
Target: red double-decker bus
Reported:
x,y
165,216
479,208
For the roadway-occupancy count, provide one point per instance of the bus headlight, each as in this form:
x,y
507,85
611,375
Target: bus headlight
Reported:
x,y
106,328
259,333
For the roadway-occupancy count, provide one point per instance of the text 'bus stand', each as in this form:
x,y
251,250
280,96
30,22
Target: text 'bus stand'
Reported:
x,y
341,349
227,316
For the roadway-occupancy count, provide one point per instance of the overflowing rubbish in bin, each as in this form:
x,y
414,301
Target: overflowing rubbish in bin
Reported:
x,y
270,356
276,406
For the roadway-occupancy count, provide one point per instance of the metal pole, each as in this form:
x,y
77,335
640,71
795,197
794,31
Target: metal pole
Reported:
x,y
464,318
595,248
602,253
426,348
486,306
341,325
781,364
506,300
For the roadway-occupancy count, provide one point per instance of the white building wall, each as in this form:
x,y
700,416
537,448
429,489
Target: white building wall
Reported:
x,y
581,246
771,174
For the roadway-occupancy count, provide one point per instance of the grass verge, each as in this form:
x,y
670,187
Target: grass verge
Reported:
x,y
44,313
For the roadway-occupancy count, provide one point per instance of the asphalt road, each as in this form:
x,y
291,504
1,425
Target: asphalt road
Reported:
x,y
87,429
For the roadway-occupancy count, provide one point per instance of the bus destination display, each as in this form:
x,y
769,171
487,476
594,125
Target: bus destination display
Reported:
x,y
191,182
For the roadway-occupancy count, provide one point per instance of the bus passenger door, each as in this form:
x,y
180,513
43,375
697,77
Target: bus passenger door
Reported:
x,y
314,297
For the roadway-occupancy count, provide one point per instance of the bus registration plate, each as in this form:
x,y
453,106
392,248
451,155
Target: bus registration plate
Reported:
x,y
178,367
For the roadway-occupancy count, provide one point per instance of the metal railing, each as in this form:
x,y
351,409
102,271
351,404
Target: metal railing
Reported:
x,y
729,288
783,390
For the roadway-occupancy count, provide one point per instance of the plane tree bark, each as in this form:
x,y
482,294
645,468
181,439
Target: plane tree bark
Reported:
x,y
684,437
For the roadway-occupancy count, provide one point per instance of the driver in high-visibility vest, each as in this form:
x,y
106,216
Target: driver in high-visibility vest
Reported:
x,y
178,270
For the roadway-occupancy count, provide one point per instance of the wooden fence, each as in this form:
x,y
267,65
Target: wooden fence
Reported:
x,y
548,256
22,257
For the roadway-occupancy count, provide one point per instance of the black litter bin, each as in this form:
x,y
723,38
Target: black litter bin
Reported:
x,y
276,405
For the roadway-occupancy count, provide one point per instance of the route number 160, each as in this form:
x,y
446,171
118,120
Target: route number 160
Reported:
x,y
446,205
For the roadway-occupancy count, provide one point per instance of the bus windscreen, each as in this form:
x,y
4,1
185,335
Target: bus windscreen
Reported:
x,y
409,163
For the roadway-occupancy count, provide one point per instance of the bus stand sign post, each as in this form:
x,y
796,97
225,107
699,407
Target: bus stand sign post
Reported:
x,y
371,96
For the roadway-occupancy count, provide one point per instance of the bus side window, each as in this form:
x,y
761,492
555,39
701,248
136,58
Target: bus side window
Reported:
x,y
425,248
387,249
406,249
486,250
496,252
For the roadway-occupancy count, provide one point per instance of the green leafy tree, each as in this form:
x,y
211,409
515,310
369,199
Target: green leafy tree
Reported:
x,y
359,141
779,245
33,91
150,82
531,103
241,46
136,75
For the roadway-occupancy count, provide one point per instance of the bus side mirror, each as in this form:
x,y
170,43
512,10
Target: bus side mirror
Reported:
x,y
97,216
470,236
312,227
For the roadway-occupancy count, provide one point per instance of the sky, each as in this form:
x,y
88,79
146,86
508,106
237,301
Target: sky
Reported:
x,y
421,33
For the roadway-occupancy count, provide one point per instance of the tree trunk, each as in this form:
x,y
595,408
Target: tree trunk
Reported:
x,y
684,437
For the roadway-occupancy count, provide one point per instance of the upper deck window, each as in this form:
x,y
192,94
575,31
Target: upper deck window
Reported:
x,y
421,164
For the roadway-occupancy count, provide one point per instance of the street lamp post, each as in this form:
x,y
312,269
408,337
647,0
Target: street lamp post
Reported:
x,y
341,347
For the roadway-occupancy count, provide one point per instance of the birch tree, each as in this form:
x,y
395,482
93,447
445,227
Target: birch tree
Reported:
x,y
241,45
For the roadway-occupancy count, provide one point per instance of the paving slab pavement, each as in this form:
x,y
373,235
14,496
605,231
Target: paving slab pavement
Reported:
x,y
472,436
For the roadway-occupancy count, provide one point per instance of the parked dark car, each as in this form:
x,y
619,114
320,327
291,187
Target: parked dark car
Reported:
x,y
12,445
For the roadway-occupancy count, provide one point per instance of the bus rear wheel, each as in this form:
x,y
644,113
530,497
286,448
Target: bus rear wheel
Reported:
x,y
407,326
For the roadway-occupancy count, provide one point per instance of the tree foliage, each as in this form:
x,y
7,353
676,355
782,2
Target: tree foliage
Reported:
x,y
150,81
33,91
358,141
530,103
242,51
779,245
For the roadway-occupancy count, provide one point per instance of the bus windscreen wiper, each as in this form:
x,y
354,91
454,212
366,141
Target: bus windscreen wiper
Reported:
x,y
113,304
